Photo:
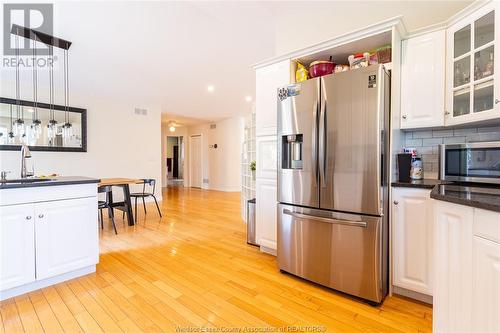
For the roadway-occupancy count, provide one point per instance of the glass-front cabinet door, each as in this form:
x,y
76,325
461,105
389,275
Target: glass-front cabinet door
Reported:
x,y
472,87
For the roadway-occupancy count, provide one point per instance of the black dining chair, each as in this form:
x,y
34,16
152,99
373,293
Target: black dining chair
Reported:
x,y
105,205
152,185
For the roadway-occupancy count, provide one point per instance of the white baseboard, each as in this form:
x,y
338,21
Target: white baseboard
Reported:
x,y
412,294
45,282
268,250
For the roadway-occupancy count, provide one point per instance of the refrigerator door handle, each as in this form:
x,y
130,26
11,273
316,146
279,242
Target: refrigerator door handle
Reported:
x,y
314,149
325,219
322,144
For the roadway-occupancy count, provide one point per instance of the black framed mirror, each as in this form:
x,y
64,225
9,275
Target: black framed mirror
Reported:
x,y
45,139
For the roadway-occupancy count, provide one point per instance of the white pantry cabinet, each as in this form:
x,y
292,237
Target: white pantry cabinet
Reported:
x,y
65,239
472,87
17,246
453,267
268,79
412,239
266,192
266,213
423,80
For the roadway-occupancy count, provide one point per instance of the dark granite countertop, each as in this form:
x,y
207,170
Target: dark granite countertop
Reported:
x,y
57,181
484,197
421,183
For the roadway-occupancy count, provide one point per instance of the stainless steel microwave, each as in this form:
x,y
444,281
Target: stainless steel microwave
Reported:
x,y
470,162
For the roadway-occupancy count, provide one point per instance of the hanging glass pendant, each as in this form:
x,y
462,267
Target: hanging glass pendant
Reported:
x,y
67,130
18,127
37,128
52,129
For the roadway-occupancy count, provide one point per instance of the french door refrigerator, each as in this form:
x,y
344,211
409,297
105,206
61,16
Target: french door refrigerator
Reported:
x,y
332,181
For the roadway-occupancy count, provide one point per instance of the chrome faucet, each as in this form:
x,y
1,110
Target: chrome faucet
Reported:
x,y
25,153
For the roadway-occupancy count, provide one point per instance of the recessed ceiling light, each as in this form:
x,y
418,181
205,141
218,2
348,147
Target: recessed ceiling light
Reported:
x,y
210,88
248,98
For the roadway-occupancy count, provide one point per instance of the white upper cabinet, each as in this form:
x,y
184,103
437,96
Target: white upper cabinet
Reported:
x,y
471,82
423,80
412,239
268,79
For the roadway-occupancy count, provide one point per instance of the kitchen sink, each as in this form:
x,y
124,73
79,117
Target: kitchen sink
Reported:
x,y
24,180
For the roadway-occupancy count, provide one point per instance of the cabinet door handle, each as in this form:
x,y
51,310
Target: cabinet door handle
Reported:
x,y
28,218
404,116
396,202
497,101
40,216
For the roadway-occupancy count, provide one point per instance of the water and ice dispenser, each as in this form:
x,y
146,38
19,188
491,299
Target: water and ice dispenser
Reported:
x,y
292,151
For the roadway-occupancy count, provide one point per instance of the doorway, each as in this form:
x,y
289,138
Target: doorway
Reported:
x,y
195,161
175,161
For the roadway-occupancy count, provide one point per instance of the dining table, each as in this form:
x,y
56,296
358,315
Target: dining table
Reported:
x,y
126,204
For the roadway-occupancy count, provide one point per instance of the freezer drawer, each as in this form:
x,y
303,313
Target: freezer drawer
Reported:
x,y
337,250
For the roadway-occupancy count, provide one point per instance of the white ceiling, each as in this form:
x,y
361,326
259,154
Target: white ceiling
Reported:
x,y
167,53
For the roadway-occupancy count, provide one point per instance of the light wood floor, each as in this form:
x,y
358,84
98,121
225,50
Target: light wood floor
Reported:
x,y
193,268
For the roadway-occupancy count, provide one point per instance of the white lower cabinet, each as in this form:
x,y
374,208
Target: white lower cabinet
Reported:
x,y
467,270
17,246
266,213
486,285
453,268
63,235
42,243
412,239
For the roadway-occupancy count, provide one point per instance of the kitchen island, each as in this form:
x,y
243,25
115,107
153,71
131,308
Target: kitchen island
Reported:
x,y
48,232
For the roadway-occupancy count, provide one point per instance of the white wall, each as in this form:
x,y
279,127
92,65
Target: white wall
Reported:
x,y
301,24
221,165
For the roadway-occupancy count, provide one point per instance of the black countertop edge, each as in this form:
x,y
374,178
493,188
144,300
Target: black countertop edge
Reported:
x,y
421,183
471,199
58,181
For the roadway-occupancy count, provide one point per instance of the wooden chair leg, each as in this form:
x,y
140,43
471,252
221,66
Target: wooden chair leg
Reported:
x,y
102,219
156,202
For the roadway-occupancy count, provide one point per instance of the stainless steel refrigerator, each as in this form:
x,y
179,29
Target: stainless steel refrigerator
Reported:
x,y
332,181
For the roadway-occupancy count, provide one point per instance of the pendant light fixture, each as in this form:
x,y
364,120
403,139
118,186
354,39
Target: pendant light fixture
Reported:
x,y
52,125
67,127
37,124
10,135
18,129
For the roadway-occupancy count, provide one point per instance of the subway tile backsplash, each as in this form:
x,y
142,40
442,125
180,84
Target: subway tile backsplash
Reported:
x,y
426,142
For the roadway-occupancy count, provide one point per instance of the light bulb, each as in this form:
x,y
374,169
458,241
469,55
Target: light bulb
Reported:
x,y
172,128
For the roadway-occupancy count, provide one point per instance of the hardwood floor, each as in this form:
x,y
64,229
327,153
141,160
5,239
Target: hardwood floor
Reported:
x,y
193,268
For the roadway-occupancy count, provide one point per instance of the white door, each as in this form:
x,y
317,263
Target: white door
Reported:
x,y
66,236
486,286
17,246
453,267
195,161
266,213
423,80
412,240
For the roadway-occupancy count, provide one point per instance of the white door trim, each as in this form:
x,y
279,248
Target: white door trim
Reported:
x,y
191,159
